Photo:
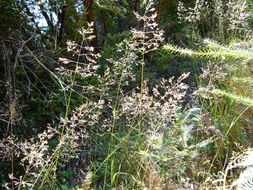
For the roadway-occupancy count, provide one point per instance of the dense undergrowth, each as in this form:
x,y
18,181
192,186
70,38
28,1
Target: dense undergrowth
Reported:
x,y
144,113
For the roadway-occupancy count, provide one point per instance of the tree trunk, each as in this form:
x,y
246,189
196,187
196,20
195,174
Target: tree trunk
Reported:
x,y
90,19
159,11
136,5
62,22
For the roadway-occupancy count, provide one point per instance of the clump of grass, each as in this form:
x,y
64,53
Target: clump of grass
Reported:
x,y
228,101
139,136
217,19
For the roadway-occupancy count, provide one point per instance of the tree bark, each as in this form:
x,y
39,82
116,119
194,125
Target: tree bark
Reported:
x,y
136,5
159,11
62,22
90,19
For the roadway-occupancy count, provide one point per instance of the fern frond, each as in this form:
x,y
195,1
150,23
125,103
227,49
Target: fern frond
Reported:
x,y
247,80
213,50
240,99
211,44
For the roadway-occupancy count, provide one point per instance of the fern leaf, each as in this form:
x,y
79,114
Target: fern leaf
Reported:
x,y
214,51
240,99
246,80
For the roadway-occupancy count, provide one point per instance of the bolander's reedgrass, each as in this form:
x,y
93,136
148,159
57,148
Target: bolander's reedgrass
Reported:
x,y
227,20
125,132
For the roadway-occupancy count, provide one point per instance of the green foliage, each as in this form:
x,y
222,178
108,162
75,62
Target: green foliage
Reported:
x,y
240,99
126,119
213,50
165,64
10,17
225,53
